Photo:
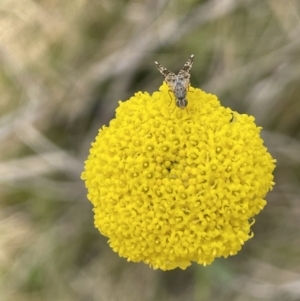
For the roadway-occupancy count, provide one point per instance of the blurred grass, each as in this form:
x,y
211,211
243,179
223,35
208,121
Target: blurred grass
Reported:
x,y
64,66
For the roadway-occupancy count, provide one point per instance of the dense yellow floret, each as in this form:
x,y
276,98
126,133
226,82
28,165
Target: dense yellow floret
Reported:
x,y
171,187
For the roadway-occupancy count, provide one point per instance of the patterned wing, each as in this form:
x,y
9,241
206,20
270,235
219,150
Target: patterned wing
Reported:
x,y
184,73
170,77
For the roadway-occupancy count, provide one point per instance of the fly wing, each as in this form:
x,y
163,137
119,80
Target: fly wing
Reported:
x,y
188,65
170,77
184,73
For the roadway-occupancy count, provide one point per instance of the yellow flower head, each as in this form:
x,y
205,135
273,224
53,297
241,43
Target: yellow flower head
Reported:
x,y
174,186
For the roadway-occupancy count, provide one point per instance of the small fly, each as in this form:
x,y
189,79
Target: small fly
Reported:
x,y
179,83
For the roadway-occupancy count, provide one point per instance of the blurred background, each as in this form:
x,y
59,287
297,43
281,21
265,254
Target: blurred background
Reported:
x,y
63,67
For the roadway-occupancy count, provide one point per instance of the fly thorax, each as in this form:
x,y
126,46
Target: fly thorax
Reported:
x,y
180,91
